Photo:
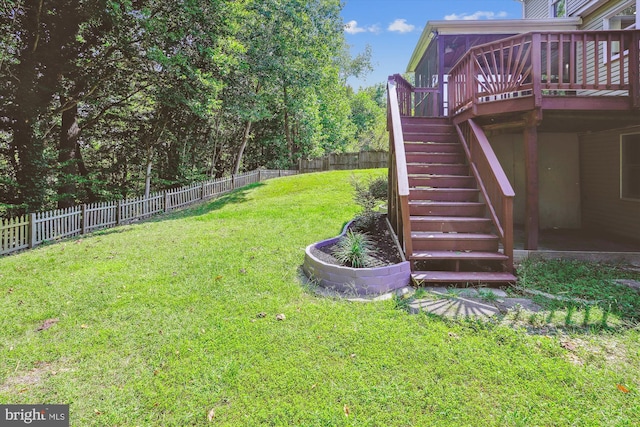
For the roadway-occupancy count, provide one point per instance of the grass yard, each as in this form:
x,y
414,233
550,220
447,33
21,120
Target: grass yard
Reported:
x,y
157,326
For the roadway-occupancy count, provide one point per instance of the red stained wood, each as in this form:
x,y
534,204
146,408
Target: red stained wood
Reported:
x,y
532,189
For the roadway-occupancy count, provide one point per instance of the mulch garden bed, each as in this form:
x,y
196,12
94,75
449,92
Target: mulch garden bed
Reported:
x,y
385,251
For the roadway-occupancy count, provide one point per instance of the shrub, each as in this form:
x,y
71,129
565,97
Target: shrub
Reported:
x,y
354,249
367,195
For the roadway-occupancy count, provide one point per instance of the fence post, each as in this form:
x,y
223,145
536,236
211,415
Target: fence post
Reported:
x,y
167,207
259,175
118,214
202,190
279,172
32,230
83,219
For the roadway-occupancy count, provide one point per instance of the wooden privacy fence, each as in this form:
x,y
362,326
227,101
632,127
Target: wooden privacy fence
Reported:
x,y
33,229
345,161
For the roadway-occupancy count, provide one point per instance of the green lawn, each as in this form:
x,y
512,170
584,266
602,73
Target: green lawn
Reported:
x,y
158,326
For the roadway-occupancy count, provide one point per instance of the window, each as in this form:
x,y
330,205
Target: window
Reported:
x,y
557,8
621,18
630,166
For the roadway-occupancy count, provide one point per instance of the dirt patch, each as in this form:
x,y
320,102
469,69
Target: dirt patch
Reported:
x,y
385,251
21,382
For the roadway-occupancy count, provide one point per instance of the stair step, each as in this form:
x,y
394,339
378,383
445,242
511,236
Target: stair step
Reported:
x,y
421,136
458,255
425,121
444,194
442,181
432,147
441,158
469,209
436,241
462,277
444,224
437,169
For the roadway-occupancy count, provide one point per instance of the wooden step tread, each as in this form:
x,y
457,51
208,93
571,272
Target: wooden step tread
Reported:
x,y
452,204
437,175
462,277
434,235
443,189
435,218
461,255
434,164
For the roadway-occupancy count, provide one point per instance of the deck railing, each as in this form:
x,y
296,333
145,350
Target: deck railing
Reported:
x,y
398,204
416,101
575,63
494,184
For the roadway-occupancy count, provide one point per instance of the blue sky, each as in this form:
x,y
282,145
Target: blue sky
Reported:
x,y
392,27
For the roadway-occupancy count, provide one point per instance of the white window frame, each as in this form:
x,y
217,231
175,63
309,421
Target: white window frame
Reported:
x,y
606,25
624,196
553,9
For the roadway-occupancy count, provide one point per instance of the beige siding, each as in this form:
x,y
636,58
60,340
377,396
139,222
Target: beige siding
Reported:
x,y
574,5
594,21
602,208
536,9
559,176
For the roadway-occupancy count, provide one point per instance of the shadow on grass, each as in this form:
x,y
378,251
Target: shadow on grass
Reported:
x,y
194,210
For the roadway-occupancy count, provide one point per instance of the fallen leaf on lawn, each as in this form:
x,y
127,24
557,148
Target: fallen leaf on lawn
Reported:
x,y
453,335
622,388
313,386
218,277
353,355
346,411
10,290
242,271
211,414
97,412
280,316
83,326
568,345
47,324
261,314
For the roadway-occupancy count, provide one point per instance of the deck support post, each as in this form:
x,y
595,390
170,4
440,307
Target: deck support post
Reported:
x,y
532,218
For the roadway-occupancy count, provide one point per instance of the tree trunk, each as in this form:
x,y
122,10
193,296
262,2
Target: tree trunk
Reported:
x,y
245,139
30,173
287,131
147,179
68,157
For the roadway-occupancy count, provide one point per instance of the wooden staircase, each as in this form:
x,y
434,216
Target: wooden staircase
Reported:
x,y
452,237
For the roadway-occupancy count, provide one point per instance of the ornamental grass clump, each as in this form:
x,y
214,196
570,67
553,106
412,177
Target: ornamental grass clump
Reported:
x,y
353,250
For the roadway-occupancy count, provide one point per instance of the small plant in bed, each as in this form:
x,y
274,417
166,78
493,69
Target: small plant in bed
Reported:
x,y
353,250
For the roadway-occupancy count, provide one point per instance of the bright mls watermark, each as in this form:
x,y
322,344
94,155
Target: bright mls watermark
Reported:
x,y
34,415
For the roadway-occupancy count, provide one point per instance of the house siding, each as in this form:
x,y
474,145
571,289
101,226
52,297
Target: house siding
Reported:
x,y
536,9
558,176
602,208
574,5
594,21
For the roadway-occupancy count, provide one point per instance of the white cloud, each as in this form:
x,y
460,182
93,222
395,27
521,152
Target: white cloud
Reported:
x,y
352,27
475,16
401,26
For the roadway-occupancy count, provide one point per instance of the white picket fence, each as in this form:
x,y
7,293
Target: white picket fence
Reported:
x,y
28,231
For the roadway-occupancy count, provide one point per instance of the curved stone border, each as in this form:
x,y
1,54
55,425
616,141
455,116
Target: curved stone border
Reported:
x,y
354,281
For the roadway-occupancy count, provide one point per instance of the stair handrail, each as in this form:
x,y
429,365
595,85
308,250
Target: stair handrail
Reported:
x,y
398,176
493,182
